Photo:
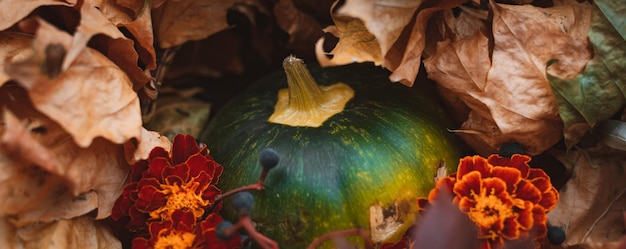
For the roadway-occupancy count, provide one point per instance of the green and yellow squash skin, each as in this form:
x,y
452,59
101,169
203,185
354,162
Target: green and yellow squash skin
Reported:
x,y
363,167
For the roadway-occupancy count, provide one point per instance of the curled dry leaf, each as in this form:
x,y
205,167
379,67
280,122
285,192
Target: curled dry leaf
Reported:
x,y
396,43
92,98
591,207
176,22
15,10
505,86
80,232
52,177
98,17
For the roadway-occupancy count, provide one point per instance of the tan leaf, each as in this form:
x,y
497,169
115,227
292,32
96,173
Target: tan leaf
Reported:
x,y
13,46
140,148
92,98
356,43
15,10
80,232
52,177
177,22
396,42
508,91
141,28
384,19
97,18
591,205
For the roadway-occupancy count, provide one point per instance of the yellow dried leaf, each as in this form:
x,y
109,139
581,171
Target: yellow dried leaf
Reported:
x,y
92,98
355,44
177,22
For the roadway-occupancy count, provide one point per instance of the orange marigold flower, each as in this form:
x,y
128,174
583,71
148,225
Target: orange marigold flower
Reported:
x,y
506,198
166,182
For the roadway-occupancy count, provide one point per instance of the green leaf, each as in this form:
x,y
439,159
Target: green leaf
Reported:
x,y
600,90
614,11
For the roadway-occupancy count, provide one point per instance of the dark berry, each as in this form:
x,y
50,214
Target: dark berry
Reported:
x,y
220,230
556,235
268,158
508,149
243,202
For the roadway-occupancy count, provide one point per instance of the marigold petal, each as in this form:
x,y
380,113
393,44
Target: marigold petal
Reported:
x,y
211,193
511,230
511,176
176,175
150,199
158,152
184,220
527,191
442,184
549,199
473,164
469,184
540,226
517,161
156,168
525,216
495,186
465,203
137,170
137,219
183,147
207,235
199,163
140,243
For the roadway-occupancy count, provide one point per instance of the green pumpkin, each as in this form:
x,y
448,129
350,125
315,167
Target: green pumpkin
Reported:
x,y
363,167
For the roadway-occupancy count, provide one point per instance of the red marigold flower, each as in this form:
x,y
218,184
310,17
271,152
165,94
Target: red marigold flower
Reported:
x,y
166,182
183,232
506,198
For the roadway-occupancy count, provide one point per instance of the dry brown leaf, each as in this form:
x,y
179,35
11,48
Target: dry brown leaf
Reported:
x,y
591,205
177,22
303,30
92,98
141,29
140,148
396,43
98,17
13,46
52,177
15,10
80,232
384,19
509,97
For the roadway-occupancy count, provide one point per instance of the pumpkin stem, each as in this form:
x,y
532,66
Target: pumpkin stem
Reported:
x,y
304,102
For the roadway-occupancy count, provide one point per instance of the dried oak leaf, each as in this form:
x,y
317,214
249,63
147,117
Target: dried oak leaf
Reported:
x,y
388,33
505,86
591,207
80,232
599,91
16,10
92,98
176,22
